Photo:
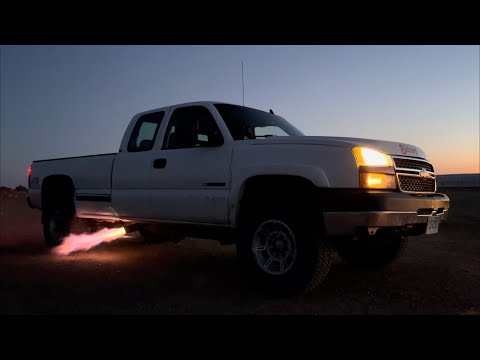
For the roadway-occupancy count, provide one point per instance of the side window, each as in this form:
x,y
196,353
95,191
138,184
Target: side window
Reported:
x,y
190,127
145,131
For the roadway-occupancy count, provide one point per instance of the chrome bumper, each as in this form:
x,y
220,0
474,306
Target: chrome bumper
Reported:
x,y
347,223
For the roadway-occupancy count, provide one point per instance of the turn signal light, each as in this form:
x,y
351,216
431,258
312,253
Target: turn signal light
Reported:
x,y
377,181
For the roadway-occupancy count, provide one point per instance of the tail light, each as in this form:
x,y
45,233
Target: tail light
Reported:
x,y
29,172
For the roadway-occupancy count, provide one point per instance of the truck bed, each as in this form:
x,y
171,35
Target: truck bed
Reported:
x,y
91,174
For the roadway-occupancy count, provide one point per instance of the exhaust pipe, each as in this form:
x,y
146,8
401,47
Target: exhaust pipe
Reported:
x,y
133,228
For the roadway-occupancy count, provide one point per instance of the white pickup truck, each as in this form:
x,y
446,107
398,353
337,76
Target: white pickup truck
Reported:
x,y
240,175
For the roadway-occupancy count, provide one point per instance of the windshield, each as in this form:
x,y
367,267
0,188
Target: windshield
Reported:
x,y
247,123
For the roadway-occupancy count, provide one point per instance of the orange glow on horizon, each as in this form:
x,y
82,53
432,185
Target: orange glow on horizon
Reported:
x,y
454,165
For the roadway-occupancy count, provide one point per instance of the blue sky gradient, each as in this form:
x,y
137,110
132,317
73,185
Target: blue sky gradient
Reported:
x,y
59,101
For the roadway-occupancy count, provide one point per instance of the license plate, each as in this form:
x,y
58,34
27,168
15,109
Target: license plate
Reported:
x,y
432,224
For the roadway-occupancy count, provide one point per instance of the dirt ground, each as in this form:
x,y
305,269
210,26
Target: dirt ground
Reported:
x,y
439,274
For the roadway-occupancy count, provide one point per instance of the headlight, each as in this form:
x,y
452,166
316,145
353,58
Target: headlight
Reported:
x,y
375,169
370,157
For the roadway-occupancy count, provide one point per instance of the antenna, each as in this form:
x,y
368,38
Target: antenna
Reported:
x,y
243,88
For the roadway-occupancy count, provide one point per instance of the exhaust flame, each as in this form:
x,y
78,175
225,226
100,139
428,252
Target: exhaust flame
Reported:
x,y
84,242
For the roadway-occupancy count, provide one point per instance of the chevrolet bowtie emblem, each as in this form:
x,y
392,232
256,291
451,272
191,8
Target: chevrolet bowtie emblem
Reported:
x,y
425,174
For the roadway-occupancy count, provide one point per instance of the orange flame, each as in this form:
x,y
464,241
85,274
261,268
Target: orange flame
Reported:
x,y
84,242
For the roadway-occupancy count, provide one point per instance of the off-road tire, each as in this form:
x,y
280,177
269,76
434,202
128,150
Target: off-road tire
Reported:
x,y
58,224
314,254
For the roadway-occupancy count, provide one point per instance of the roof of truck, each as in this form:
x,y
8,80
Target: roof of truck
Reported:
x,y
192,103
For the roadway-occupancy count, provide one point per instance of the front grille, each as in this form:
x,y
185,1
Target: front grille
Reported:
x,y
416,184
412,164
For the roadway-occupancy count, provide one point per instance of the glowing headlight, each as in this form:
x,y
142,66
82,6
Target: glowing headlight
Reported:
x,y
370,157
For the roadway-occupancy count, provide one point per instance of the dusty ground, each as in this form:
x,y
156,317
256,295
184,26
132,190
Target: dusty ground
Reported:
x,y
439,274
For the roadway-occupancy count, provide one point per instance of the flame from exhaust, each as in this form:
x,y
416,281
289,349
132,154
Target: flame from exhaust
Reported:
x,y
84,242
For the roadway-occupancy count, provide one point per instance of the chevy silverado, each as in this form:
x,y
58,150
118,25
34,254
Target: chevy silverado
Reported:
x,y
245,176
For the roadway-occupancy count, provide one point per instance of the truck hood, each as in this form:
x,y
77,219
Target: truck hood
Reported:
x,y
388,147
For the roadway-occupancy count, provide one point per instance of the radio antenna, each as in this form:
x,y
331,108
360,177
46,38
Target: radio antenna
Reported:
x,y
243,88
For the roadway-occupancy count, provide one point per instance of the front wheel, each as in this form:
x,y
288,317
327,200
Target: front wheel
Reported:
x,y
283,250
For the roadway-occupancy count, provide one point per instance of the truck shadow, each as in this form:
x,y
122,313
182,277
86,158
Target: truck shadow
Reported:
x,y
131,276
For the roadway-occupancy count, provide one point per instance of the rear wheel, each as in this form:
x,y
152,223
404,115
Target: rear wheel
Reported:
x,y
59,223
56,226
282,249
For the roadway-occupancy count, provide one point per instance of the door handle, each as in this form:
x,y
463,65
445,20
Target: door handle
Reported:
x,y
159,163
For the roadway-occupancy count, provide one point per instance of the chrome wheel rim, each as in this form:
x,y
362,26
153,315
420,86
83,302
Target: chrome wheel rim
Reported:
x,y
274,247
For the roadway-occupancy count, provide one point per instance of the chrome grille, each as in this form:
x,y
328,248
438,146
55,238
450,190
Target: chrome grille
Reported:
x,y
402,163
414,175
417,184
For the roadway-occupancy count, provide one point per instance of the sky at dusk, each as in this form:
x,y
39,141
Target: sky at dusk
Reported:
x,y
59,101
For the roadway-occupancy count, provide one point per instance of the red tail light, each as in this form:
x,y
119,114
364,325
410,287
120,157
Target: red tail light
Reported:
x,y
29,172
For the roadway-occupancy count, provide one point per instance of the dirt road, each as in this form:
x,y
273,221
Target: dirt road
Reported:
x,y
439,274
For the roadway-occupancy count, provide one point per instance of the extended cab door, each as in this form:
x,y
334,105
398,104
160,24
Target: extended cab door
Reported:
x,y
190,172
131,170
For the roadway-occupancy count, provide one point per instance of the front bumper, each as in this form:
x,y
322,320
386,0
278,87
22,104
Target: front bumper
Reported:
x,y
374,210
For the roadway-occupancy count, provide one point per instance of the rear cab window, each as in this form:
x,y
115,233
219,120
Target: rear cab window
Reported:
x,y
145,132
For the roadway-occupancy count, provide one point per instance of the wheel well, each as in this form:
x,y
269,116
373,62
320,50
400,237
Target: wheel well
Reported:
x,y
58,192
275,188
